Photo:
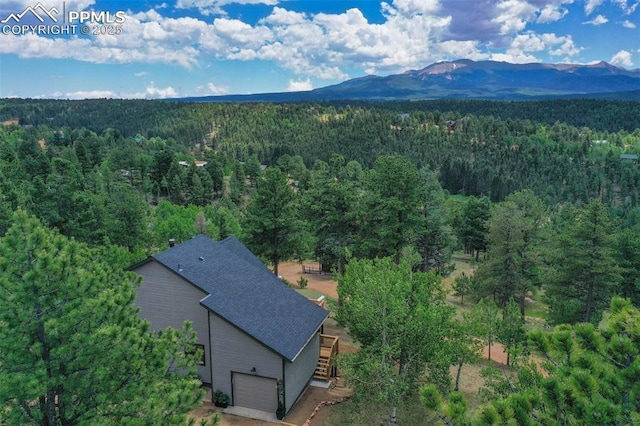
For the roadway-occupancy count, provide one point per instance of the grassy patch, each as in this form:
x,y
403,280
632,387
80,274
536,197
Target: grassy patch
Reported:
x,y
464,264
308,293
537,309
365,412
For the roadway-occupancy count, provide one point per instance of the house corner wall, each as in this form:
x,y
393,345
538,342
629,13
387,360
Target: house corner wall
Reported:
x,y
166,300
298,374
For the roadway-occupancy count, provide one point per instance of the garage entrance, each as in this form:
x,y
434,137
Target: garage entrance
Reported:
x,y
258,393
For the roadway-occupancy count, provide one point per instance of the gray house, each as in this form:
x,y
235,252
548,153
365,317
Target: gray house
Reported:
x,y
260,338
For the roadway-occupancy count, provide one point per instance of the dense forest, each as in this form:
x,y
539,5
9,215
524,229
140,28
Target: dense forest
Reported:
x,y
543,195
135,173
562,150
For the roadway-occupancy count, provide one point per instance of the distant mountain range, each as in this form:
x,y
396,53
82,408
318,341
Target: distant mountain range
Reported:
x,y
466,79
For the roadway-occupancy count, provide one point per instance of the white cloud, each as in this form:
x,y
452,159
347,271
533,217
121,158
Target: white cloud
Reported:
x,y
598,20
280,16
413,33
561,46
216,90
326,42
513,15
459,49
591,5
514,57
151,92
154,92
527,43
626,8
238,33
140,74
551,13
215,7
146,38
409,8
33,46
524,45
91,94
622,58
300,85
628,24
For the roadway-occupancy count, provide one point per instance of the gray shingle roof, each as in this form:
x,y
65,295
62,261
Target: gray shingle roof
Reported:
x,y
246,293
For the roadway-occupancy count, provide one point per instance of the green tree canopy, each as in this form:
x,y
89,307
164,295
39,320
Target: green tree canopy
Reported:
x,y
584,269
72,348
592,377
512,268
472,225
437,240
402,321
329,205
271,223
392,207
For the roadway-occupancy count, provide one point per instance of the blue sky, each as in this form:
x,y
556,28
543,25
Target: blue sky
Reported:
x,y
176,48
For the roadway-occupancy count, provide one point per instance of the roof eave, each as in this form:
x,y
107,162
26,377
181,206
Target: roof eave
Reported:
x,y
310,337
275,351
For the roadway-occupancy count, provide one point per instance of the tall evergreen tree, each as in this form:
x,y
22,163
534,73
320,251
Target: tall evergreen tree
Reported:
x,y
271,223
511,332
437,240
512,268
177,183
472,229
253,168
393,206
72,348
585,273
227,222
329,206
215,168
627,249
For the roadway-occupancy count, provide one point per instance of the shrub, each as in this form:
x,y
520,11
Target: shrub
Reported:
x,y
302,282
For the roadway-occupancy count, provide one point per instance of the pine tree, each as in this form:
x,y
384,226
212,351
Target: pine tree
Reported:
x,y
472,229
511,331
392,207
72,349
437,240
590,376
271,225
586,272
329,206
511,270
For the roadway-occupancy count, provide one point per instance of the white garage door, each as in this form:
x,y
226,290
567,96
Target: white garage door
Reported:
x,y
259,393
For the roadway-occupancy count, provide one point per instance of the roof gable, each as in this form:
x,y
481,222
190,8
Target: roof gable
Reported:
x,y
243,291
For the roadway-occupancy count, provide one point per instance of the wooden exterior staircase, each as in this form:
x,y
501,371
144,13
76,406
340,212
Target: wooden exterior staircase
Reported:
x,y
326,367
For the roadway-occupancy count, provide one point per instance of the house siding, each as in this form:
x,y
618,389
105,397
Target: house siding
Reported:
x,y
166,300
235,351
299,373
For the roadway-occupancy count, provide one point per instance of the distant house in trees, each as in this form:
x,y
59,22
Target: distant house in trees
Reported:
x,y
260,338
633,158
452,125
198,163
